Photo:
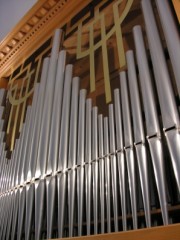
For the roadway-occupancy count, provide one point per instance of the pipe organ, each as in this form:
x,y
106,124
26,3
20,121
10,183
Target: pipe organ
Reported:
x,y
75,171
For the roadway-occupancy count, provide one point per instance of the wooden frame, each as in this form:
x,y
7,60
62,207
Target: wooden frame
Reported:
x,y
171,232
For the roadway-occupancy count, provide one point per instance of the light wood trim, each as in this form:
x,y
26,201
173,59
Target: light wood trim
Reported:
x,y
170,232
177,8
20,44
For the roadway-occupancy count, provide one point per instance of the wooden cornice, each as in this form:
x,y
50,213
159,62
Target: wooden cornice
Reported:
x,y
34,29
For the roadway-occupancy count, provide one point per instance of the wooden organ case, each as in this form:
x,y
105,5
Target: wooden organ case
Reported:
x,y
89,121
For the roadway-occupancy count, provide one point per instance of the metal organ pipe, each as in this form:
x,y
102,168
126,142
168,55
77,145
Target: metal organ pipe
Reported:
x,y
70,159
139,137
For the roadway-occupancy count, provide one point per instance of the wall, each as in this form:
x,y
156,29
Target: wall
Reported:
x,y
11,11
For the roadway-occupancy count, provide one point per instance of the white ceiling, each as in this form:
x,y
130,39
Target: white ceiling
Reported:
x,y
11,11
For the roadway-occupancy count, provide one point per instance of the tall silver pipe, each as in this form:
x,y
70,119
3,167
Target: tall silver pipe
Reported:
x,y
139,136
33,141
168,107
7,175
4,212
129,147
107,174
10,172
64,130
42,153
151,116
61,183
173,141
80,157
35,131
29,206
4,215
152,124
16,149
72,151
9,215
54,141
101,172
56,114
95,166
4,169
15,214
73,123
113,165
39,206
9,225
81,127
157,153
29,125
2,147
88,158
50,199
22,139
25,162
120,155
170,29
1,212
63,148
3,172
41,164
21,210
20,172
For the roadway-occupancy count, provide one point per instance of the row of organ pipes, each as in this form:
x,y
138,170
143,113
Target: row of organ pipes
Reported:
x,y
74,172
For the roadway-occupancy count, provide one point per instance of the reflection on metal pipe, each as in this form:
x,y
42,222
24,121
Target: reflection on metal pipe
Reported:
x,y
56,114
129,147
50,192
80,157
15,214
173,140
113,165
107,174
63,148
101,171
165,93
39,206
29,207
9,226
157,153
88,158
41,164
95,166
152,125
171,36
72,151
120,156
61,183
139,136
64,132
21,208
54,140
151,116
35,132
